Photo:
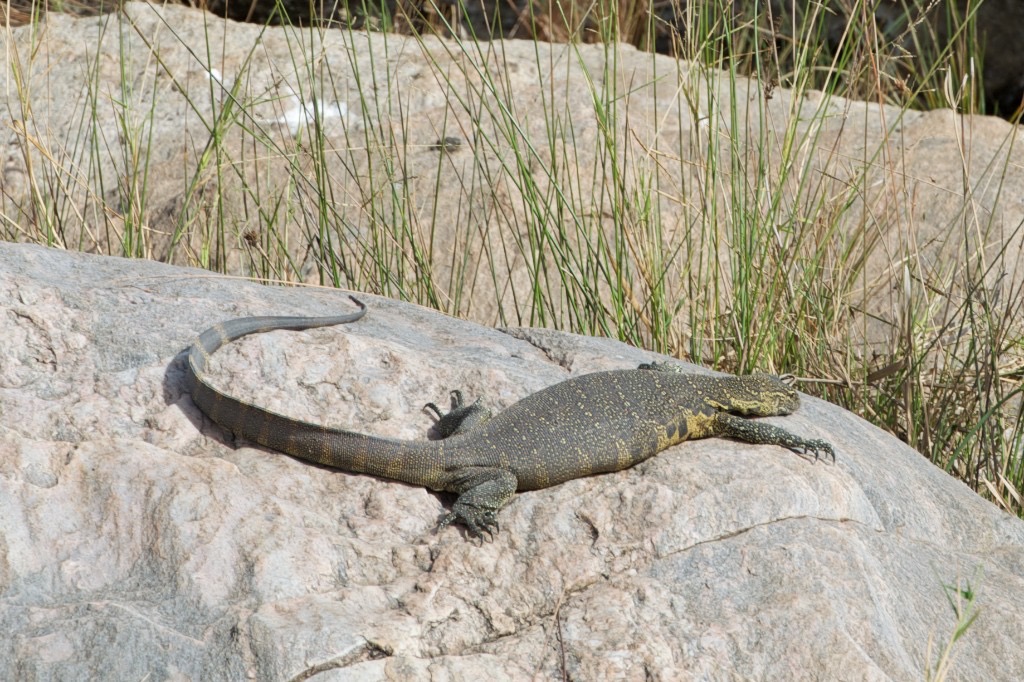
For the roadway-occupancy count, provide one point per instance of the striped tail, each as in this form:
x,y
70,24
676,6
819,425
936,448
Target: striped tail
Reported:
x,y
345,450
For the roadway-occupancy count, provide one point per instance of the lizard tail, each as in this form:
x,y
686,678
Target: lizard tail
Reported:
x,y
346,450
219,335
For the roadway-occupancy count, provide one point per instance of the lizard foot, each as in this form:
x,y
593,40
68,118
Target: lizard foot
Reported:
x,y
819,447
476,521
460,418
482,492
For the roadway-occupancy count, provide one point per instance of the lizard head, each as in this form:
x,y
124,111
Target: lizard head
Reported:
x,y
762,395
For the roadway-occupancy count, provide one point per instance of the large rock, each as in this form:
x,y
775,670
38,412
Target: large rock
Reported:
x,y
137,542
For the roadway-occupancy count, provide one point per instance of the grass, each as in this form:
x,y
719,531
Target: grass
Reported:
x,y
688,213
962,599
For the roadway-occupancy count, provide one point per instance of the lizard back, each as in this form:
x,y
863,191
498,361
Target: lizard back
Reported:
x,y
596,423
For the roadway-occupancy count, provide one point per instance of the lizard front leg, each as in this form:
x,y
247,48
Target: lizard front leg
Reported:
x,y
731,426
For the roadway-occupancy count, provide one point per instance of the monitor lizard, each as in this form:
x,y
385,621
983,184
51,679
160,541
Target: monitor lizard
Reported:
x,y
589,424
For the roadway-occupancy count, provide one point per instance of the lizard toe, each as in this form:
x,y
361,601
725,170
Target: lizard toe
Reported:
x,y
820,448
479,523
446,520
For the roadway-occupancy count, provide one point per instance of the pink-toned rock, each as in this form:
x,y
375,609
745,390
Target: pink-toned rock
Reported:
x,y
138,542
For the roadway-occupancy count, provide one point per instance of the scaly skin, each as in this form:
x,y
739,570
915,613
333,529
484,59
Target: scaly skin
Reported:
x,y
590,424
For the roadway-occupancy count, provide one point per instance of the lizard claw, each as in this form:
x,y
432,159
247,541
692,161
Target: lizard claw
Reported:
x,y
445,521
487,522
477,523
820,447
457,401
461,418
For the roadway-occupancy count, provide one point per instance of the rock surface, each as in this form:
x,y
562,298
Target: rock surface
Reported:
x,y
137,542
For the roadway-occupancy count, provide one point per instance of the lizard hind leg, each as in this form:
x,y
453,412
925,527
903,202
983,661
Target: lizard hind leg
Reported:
x,y
461,418
483,491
